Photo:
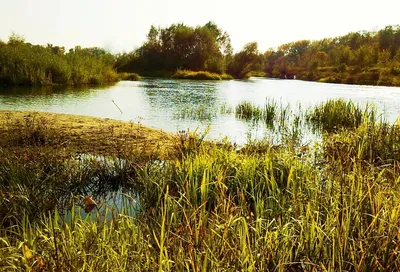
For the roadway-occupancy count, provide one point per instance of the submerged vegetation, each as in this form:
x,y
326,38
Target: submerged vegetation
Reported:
x,y
191,204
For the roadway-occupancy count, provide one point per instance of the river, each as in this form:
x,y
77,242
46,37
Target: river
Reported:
x,y
169,104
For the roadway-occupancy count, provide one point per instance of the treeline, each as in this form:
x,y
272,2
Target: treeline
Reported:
x,y
22,63
356,58
181,47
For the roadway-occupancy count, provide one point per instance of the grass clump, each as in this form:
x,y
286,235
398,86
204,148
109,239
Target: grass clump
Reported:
x,y
199,75
247,111
268,113
129,76
337,113
376,144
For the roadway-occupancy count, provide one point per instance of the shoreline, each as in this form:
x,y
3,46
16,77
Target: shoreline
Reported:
x,y
77,133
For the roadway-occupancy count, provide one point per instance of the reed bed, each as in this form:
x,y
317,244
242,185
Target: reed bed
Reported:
x,y
200,75
129,76
337,113
332,206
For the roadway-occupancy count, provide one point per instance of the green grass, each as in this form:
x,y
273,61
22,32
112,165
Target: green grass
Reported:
x,y
338,113
247,111
208,206
200,75
267,113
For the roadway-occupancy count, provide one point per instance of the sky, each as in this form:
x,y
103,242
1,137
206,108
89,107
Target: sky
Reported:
x,y
122,25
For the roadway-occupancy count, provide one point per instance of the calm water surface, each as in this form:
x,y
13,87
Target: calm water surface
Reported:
x,y
161,103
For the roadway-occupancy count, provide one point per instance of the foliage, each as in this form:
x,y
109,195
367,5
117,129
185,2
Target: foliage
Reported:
x,y
244,62
22,63
179,46
356,58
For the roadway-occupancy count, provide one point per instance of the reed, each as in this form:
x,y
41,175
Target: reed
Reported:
x,y
129,76
211,207
247,111
337,113
200,75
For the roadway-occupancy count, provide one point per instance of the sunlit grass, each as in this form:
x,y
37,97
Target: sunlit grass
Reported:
x,y
338,113
200,75
129,76
331,206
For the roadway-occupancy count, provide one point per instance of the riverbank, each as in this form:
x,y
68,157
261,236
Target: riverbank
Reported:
x,y
80,134
211,207
352,75
185,74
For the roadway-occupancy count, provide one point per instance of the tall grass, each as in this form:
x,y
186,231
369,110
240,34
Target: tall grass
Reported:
x,y
247,111
267,113
26,64
129,76
217,207
338,113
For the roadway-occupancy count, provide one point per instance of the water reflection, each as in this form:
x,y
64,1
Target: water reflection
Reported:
x,y
174,105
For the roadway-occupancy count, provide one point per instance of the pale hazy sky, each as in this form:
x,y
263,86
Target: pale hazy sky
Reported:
x,y
122,25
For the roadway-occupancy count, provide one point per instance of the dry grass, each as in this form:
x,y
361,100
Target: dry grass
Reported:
x,y
78,133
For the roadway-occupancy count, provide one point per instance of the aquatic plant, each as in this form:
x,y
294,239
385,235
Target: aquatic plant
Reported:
x,y
247,111
210,206
335,114
270,111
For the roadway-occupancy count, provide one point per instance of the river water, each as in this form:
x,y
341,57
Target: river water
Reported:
x,y
174,105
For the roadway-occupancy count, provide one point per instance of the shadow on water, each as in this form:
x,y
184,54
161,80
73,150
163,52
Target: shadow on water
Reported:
x,y
104,192
48,90
98,187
